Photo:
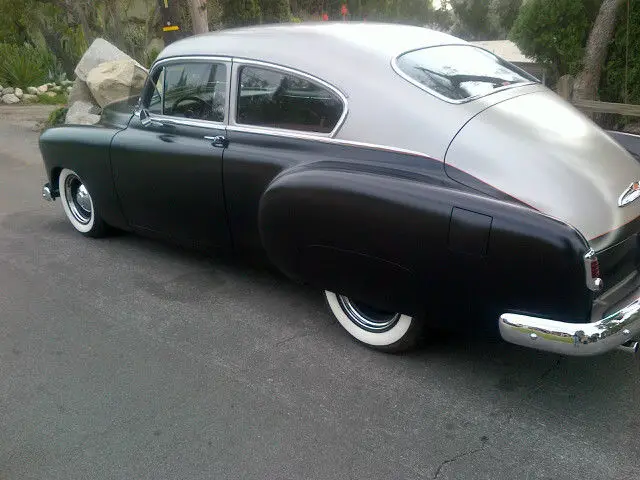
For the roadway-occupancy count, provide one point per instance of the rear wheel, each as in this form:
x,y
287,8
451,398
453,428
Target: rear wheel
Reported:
x,y
378,329
78,205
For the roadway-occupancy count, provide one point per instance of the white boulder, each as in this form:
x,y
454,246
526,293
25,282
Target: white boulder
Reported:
x,y
42,89
99,51
51,94
10,98
116,80
32,90
29,98
7,90
80,113
18,92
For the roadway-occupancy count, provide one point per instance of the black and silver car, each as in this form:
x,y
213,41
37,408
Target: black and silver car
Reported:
x,y
415,179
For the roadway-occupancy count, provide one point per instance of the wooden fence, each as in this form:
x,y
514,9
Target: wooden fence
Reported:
x,y
607,107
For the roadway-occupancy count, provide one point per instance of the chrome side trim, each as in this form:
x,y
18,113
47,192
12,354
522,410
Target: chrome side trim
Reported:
x,y
396,68
324,139
576,339
273,66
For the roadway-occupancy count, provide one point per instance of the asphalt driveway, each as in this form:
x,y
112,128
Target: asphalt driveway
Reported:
x,y
127,358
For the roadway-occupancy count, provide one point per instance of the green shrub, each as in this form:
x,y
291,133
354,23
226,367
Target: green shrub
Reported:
x,y
59,99
554,32
24,65
57,117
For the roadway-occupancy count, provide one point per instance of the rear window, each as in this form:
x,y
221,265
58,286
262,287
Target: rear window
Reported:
x,y
459,72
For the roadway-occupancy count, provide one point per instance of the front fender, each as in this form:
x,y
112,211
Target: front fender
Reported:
x,y
85,150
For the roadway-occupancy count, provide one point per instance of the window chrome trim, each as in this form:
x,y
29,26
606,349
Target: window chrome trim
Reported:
x,y
187,122
238,62
396,68
171,120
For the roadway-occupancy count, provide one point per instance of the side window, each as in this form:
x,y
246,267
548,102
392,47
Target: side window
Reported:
x,y
195,90
269,98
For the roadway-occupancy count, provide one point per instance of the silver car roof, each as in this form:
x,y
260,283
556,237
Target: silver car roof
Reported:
x,y
316,48
383,109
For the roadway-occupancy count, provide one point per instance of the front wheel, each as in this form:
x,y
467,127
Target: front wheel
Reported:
x,y
78,205
378,329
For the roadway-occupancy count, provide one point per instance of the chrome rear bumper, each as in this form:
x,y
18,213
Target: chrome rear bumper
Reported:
x,y
605,333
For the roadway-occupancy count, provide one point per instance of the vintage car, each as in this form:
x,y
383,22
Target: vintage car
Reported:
x,y
414,178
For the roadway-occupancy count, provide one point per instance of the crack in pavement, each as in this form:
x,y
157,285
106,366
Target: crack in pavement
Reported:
x,y
459,456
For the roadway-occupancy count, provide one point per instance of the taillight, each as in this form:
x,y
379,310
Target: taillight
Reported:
x,y
592,271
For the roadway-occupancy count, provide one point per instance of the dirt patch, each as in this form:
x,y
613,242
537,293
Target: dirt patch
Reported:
x,y
26,116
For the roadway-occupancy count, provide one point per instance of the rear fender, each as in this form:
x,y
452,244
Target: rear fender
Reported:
x,y
411,246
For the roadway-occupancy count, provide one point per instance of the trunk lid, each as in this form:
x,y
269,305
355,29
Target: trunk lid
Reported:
x,y
544,152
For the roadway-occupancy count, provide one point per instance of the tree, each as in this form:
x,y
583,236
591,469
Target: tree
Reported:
x,y
588,80
554,33
274,11
199,18
237,13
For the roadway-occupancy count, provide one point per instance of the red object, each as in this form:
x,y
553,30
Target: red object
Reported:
x,y
325,17
595,269
343,10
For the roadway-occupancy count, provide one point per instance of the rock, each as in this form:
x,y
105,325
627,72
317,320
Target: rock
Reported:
x,y
80,113
51,85
99,51
29,98
66,83
69,88
80,91
1,88
18,92
116,80
51,94
7,90
10,98
57,88
42,89
32,90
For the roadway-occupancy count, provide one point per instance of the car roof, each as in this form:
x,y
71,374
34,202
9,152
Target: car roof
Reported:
x,y
317,48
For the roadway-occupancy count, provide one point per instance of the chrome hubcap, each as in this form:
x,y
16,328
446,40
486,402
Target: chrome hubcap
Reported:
x,y
78,199
367,317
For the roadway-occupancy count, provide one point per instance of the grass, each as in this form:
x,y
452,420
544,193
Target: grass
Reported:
x,y
59,99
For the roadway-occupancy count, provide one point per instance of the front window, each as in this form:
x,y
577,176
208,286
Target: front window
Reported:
x,y
459,72
275,99
196,90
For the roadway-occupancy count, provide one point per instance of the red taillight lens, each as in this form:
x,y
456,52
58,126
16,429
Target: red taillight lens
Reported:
x,y
595,268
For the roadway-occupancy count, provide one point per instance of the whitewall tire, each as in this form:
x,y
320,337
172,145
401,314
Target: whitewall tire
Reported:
x,y
78,205
390,332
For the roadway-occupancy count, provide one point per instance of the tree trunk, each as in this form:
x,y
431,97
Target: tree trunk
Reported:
x,y
588,80
199,18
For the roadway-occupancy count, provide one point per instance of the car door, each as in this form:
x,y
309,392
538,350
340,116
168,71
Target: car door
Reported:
x,y
167,164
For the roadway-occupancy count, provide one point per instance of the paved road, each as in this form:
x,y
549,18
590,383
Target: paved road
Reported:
x,y
128,359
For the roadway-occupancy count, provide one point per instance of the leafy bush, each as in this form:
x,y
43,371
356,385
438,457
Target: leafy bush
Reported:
x,y
554,32
59,99
24,66
57,117
613,76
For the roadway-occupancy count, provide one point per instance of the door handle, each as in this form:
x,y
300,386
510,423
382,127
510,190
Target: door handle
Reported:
x,y
218,141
